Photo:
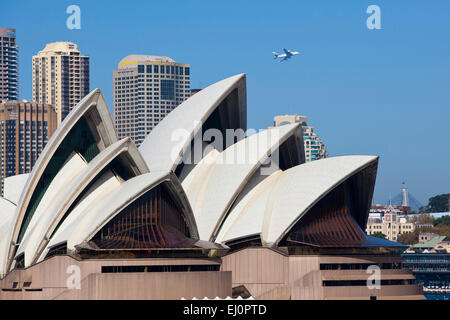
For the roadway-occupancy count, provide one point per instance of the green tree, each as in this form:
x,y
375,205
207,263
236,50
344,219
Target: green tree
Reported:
x,y
442,220
442,230
439,203
413,237
379,235
409,237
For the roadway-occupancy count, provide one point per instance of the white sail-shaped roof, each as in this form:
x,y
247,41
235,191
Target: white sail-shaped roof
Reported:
x,y
276,204
303,186
69,171
96,194
247,217
13,187
173,135
5,226
90,223
7,210
85,177
94,111
61,195
227,177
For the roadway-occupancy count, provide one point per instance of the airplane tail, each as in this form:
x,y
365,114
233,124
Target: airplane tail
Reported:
x,y
275,54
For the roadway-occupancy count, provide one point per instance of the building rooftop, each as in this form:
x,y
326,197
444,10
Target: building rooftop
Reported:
x,y
136,58
4,32
60,46
432,214
429,244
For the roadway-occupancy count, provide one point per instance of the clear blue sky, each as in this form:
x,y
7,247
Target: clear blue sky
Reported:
x,y
383,92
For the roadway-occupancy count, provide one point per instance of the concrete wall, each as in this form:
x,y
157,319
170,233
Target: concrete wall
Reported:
x,y
154,286
268,274
410,292
260,270
51,276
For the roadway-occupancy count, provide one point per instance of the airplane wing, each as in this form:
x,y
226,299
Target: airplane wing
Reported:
x,y
286,51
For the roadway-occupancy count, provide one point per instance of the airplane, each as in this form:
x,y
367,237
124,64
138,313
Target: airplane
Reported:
x,y
286,55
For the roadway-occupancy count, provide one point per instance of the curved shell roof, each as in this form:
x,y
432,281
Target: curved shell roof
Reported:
x,y
231,171
61,195
247,217
5,226
173,135
13,187
43,214
86,226
103,187
275,205
301,187
7,209
94,110
228,195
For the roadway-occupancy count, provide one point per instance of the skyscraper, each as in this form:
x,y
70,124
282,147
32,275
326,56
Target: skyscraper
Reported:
x,y
60,77
9,73
146,89
25,128
314,147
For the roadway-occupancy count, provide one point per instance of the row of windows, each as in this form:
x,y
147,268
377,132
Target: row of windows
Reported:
x,y
349,283
134,115
169,268
142,78
148,80
137,93
358,266
126,122
130,89
164,69
149,95
132,102
117,102
380,226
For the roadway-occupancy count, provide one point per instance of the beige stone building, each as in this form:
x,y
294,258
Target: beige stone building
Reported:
x,y
427,236
60,77
146,89
25,128
314,147
390,225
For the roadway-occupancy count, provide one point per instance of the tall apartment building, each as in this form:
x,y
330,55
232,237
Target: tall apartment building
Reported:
x,y
314,147
146,89
60,77
9,61
25,128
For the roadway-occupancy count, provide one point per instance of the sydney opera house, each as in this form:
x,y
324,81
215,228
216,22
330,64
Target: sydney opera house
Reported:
x,y
200,209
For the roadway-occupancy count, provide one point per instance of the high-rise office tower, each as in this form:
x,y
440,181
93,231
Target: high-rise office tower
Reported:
x,y
146,89
9,61
314,147
60,77
25,128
